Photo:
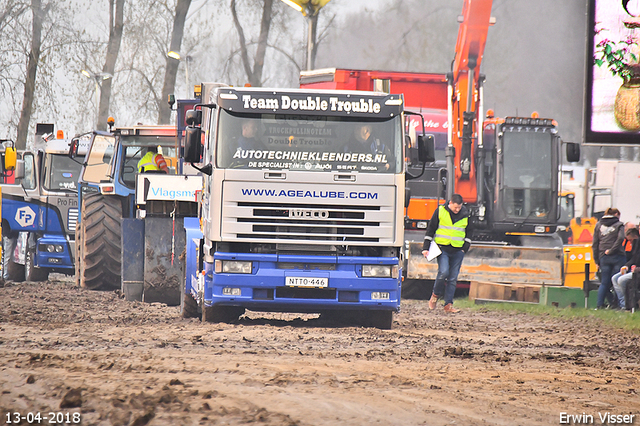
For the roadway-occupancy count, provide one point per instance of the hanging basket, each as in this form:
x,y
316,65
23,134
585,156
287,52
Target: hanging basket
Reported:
x,y
627,105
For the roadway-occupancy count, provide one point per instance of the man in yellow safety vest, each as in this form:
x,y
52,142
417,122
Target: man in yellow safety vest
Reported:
x,y
449,230
152,162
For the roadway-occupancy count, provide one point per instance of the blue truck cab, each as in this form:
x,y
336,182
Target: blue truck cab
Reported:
x,y
40,210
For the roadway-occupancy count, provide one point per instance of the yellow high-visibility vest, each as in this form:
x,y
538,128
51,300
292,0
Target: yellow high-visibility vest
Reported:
x,y
449,233
147,162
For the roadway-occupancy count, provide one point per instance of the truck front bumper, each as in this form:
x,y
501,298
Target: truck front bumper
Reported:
x,y
292,283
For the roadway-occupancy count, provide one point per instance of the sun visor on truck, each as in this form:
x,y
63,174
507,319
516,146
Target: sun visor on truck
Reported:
x,y
355,104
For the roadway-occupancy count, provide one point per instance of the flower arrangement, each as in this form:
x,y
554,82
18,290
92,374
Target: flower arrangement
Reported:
x,y
619,57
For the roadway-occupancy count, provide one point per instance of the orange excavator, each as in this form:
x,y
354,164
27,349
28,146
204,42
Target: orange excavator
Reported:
x,y
506,169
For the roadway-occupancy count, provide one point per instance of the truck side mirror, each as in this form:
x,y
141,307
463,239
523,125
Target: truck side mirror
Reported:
x,y
73,148
426,148
193,117
10,158
19,170
407,197
573,152
192,144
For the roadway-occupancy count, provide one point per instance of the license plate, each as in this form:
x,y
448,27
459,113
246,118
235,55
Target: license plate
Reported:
x,y
307,282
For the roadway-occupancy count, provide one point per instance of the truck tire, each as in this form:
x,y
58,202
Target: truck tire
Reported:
x,y
32,272
220,313
100,242
77,256
10,270
380,319
188,305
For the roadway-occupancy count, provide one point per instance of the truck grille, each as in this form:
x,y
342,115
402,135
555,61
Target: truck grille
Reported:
x,y
344,221
72,220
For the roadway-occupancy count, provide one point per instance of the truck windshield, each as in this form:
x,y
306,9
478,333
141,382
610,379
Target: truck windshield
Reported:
x,y
135,147
309,143
527,169
61,173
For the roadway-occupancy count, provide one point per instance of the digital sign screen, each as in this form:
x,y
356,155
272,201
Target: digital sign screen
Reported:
x,y
612,104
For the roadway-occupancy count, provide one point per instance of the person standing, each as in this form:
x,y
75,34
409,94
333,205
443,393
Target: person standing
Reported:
x,y
608,253
449,229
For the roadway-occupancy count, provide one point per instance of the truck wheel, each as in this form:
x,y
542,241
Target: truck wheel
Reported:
x,y
100,242
31,272
380,319
188,305
10,270
220,313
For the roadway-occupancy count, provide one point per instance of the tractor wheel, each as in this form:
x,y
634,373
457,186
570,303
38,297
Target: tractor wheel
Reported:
x,y
77,255
100,242
32,272
10,270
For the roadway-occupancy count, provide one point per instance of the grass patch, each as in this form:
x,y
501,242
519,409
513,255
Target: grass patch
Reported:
x,y
624,320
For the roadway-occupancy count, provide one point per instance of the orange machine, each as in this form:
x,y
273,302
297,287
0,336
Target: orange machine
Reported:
x,y
505,169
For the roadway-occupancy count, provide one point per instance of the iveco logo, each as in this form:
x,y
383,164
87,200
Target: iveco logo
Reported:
x,y
314,214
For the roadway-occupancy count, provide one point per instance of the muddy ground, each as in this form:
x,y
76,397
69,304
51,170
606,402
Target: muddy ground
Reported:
x,y
67,350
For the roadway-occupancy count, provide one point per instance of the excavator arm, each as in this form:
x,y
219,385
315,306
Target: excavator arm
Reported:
x,y
465,98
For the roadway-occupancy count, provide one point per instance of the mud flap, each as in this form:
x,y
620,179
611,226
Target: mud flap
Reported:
x,y
162,275
192,243
132,260
497,264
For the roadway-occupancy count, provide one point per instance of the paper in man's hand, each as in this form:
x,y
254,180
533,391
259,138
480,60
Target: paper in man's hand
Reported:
x,y
434,251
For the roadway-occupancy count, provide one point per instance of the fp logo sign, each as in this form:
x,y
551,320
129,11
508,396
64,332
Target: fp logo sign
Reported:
x,y
25,216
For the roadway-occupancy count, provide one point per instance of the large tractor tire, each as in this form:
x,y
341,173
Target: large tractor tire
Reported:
x,y
11,271
100,242
31,271
77,255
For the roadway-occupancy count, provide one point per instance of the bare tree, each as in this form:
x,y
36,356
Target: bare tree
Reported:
x,y
254,73
116,23
171,68
39,12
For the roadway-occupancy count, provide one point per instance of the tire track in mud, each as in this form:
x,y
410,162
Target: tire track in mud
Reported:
x,y
134,363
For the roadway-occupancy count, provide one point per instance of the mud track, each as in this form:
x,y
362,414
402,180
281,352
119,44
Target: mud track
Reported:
x,y
65,349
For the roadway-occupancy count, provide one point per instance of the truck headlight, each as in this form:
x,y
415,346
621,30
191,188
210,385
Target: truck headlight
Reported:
x,y
233,267
380,271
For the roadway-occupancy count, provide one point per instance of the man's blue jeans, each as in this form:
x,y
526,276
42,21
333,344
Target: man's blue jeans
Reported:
x,y
619,282
448,269
609,265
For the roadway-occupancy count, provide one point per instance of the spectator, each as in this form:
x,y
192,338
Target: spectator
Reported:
x,y
608,253
627,244
625,275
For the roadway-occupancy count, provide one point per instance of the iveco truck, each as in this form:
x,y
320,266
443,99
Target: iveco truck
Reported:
x,y
299,211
